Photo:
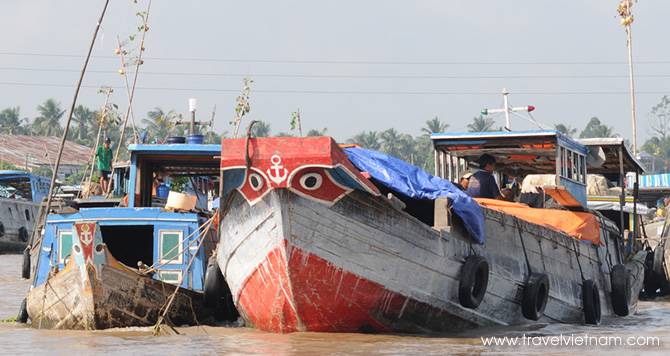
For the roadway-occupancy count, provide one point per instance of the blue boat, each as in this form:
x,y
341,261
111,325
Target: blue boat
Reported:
x,y
100,266
20,196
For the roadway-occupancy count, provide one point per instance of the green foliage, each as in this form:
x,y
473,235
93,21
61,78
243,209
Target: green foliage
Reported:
x,y
260,129
658,146
566,129
11,122
317,132
594,128
482,124
48,121
7,166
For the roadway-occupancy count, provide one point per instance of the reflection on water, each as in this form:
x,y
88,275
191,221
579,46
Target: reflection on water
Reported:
x,y
653,319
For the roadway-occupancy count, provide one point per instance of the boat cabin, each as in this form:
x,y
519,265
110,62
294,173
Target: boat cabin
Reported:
x,y
147,233
23,185
517,155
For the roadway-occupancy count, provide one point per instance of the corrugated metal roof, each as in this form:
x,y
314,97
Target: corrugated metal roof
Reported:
x,y
15,149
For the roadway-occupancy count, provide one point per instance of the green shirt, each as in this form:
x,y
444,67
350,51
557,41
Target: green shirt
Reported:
x,y
103,159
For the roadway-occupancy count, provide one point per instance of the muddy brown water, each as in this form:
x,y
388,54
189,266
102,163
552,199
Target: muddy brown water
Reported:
x,y
651,321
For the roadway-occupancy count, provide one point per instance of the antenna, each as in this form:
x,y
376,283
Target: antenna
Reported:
x,y
507,110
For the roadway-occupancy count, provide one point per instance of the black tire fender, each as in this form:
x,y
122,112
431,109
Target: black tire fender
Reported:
x,y
620,295
214,284
474,279
23,312
535,296
23,234
591,302
25,267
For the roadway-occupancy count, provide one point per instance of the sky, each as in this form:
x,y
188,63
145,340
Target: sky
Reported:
x,y
347,65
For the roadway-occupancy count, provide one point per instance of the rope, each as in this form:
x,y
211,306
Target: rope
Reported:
x,y
523,246
581,272
176,290
247,159
153,268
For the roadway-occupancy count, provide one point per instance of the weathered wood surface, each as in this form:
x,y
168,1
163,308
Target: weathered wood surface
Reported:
x,y
115,296
15,214
292,262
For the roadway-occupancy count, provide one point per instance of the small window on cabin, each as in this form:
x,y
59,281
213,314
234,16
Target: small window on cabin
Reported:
x,y
171,246
171,277
64,245
27,215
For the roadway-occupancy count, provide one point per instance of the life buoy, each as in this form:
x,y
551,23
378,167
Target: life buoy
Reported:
x,y
25,268
620,295
535,296
473,281
23,312
23,234
591,302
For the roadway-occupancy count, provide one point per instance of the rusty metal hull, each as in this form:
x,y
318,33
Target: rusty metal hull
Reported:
x,y
110,296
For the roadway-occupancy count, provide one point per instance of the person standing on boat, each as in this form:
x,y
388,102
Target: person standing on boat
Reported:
x,y
482,184
103,161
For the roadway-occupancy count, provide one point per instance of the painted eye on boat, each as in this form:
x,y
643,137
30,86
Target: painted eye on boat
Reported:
x,y
311,181
98,248
256,181
77,249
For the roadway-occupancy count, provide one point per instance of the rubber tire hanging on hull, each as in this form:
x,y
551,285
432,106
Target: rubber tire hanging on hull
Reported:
x,y
23,312
473,281
23,234
591,302
25,267
620,281
535,296
217,295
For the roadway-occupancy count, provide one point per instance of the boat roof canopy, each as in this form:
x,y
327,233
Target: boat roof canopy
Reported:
x,y
179,159
517,151
607,149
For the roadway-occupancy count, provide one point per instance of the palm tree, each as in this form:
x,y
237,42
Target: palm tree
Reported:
x,y
11,122
261,129
434,125
369,140
317,132
566,129
48,121
159,124
391,142
85,120
594,128
481,124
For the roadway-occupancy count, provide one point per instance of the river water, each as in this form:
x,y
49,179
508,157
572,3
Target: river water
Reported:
x,y
652,322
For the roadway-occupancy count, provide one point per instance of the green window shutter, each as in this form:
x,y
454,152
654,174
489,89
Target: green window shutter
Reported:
x,y
171,249
64,245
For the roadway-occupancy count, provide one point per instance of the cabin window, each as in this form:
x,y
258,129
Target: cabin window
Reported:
x,y
171,246
171,277
130,244
27,215
64,245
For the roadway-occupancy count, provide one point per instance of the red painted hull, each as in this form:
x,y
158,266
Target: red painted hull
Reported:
x,y
306,293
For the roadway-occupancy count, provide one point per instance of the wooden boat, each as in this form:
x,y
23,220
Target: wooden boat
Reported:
x,y
311,242
95,291
20,196
102,266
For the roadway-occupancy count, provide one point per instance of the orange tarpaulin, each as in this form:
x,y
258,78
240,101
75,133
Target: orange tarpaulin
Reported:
x,y
582,226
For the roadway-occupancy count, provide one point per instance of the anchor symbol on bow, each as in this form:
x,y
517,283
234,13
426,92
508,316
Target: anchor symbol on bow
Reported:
x,y
86,236
277,172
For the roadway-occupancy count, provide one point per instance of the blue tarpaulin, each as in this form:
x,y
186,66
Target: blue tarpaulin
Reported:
x,y
416,183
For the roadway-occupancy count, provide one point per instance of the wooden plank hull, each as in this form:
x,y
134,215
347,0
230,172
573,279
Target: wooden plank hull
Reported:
x,y
109,296
296,264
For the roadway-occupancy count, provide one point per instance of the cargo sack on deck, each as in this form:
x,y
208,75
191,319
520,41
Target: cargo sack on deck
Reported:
x,y
582,226
416,183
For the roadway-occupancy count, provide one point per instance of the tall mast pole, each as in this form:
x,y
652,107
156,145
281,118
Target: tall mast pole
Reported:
x,y
627,19
508,124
